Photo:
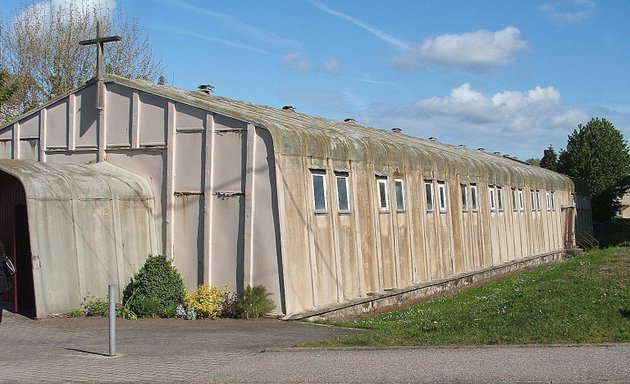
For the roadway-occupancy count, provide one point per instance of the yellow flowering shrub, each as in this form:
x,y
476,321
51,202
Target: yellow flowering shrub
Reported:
x,y
207,301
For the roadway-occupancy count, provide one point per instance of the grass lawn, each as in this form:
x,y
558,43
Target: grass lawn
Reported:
x,y
585,299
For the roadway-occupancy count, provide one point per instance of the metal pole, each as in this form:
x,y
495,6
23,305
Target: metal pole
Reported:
x,y
112,320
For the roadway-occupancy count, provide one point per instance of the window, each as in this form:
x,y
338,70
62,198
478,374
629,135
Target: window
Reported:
x,y
537,200
548,198
442,195
464,191
382,193
343,196
319,191
521,200
400,194
428,193
500,198
553,202
514,200
473,197
532,195
493,203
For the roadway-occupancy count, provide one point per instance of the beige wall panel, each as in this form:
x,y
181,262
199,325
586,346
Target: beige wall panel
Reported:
x,y
406,266
266,265
224,122
227,244
29,126
6,149
57,124
298,278
388,256
86,157
446,243
118,115
456,229
190,117
6,133
433,246
29,149
86,118
229,156
189,162
348,255
152,113
188,247
325,266
418,217
366,212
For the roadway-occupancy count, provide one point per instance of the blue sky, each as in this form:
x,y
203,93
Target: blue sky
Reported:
x,y
510,76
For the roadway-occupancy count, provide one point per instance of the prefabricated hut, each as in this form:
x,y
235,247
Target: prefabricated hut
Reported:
x,y
324,214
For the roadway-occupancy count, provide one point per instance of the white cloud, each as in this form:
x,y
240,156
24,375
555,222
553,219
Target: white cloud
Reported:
x,y
296,61
84,7
568,11
478,50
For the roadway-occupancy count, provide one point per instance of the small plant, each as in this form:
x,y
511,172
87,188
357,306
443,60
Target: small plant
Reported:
x,y
186,313
230,306
207,301
156,290
255,302
96,306
125,312
76,313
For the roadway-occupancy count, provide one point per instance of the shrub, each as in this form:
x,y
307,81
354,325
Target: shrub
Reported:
x,y
230,306
255,302
76,313
207,301
156,290
96,307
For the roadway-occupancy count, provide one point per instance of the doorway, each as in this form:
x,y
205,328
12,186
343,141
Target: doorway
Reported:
x,y
14,234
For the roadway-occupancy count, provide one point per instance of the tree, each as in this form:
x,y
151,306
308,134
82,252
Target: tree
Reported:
x,y
533,161
549,159
8,89
41,48
598,154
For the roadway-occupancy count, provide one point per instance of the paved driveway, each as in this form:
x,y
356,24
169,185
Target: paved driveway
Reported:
x,y
226,351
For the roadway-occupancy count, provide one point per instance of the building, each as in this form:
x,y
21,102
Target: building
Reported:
x,y
325,214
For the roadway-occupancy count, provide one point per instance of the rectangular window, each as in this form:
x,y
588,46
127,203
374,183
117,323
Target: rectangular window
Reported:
x,y
400,194
521,200
428,194
538,200
464,191
473,197
553,202
514,200
319,191
548,198
500,198
532,195
343,195
442,195
493,203
382,193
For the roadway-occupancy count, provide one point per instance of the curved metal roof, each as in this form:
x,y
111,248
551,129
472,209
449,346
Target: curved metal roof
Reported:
x,y
66,181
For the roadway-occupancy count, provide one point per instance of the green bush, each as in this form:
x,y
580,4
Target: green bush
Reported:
x,y
255,302
96,307
206,301
156,290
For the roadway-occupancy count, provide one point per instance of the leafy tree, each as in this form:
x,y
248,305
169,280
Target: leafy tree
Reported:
x,y
40,47
8,89
532,161
598,154
549,159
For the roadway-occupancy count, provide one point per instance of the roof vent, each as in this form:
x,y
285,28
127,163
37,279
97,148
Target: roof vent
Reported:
x,y
433,139
497,153
206,88
350,120
396,130
482,149
463,146
288,108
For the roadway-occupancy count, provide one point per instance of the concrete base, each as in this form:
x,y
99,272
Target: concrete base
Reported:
x,y
402,297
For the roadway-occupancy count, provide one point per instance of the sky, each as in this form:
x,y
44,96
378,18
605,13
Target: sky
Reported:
x,y
510,76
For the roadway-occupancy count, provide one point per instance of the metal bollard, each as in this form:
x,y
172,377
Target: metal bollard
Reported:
x,y
112,320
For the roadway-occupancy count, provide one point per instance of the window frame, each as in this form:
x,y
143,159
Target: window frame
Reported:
x,y
499,192
429,200
514,200
521,200
532,195
343,176
383,195
492,198
442,196
464,196
400,194
316,173
474,197
538,203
